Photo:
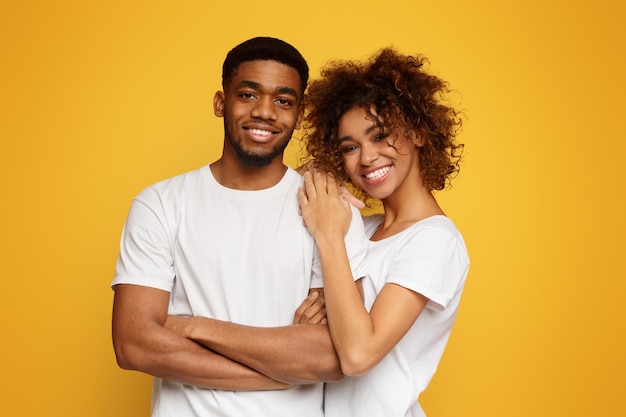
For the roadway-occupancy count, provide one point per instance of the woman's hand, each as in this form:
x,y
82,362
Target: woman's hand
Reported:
x,y
345,193
312,310
310,167
325,210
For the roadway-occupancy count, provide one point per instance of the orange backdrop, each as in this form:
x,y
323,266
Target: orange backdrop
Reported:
x,y
100,99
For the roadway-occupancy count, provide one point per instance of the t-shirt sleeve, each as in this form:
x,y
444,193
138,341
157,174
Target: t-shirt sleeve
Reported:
x,y
145,249
356,246
432,262
317,280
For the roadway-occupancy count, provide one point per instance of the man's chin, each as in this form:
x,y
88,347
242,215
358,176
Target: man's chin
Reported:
x,y
256,160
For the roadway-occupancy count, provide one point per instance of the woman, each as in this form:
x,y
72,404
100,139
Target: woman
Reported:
x,y
381,125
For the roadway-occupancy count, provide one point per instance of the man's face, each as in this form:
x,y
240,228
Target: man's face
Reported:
x,y
261,107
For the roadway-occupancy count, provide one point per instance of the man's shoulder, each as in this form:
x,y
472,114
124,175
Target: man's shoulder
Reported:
x,y
185,179
292,175
173,187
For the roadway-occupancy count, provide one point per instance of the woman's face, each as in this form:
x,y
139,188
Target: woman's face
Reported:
x,y
377,159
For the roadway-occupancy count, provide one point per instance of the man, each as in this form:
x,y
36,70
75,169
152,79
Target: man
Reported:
x,y
226,242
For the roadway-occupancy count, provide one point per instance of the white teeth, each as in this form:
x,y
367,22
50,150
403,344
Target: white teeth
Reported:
x,y
260,132
378,173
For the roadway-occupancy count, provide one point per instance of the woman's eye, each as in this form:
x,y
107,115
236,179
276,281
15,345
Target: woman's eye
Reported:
x,y
348,149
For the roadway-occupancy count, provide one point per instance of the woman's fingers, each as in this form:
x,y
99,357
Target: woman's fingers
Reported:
x,y
350,198
310,184
312,310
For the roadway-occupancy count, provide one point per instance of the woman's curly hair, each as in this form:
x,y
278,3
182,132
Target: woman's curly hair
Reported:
x,y
403,95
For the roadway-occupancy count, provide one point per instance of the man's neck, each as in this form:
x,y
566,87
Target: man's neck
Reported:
x,y
235,175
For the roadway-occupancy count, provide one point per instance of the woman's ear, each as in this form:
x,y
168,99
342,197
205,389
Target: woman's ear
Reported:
x,y
417,138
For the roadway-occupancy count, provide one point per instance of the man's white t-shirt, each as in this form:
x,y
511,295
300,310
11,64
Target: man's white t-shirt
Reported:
x,y
430,258
233,255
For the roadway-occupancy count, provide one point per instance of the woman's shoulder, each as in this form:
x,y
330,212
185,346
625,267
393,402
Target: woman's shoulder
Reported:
x,y
439,221
436,227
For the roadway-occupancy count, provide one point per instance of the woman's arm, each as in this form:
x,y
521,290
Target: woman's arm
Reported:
x,y
361,339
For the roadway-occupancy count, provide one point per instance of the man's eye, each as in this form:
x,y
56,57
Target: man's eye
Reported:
x,y
247,96
283,102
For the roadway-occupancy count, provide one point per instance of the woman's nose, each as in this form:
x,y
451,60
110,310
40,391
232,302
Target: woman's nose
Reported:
x,y
368,154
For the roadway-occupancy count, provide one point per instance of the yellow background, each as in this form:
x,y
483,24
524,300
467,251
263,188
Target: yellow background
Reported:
x,y
100,99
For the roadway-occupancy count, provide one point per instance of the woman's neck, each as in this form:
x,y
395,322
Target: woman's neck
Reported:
x,y
405,209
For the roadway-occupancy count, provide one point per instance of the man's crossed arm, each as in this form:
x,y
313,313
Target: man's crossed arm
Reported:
x,y
216,354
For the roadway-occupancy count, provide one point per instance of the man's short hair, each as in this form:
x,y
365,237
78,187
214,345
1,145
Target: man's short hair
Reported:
x,y
265,48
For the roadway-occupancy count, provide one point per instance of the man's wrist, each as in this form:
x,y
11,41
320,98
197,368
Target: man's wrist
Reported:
x,y
198,329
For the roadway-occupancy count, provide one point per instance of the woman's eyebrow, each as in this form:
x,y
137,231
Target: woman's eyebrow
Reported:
x,y
369,130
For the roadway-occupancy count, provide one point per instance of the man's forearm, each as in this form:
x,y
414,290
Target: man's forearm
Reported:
x,y
141,343
190,363
296,354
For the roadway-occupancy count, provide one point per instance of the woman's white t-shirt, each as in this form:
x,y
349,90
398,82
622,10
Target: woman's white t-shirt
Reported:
x,y
430,258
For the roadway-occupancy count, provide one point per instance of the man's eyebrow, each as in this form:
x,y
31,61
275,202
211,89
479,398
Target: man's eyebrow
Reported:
x,y
249,84
287,90
279,90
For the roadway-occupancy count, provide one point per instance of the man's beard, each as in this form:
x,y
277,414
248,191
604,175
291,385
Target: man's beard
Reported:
x,y
252,159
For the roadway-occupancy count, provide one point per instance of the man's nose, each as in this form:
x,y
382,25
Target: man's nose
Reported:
x,y
264,109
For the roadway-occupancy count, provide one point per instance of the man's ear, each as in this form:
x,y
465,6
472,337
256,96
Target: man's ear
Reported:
x,y
218,104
